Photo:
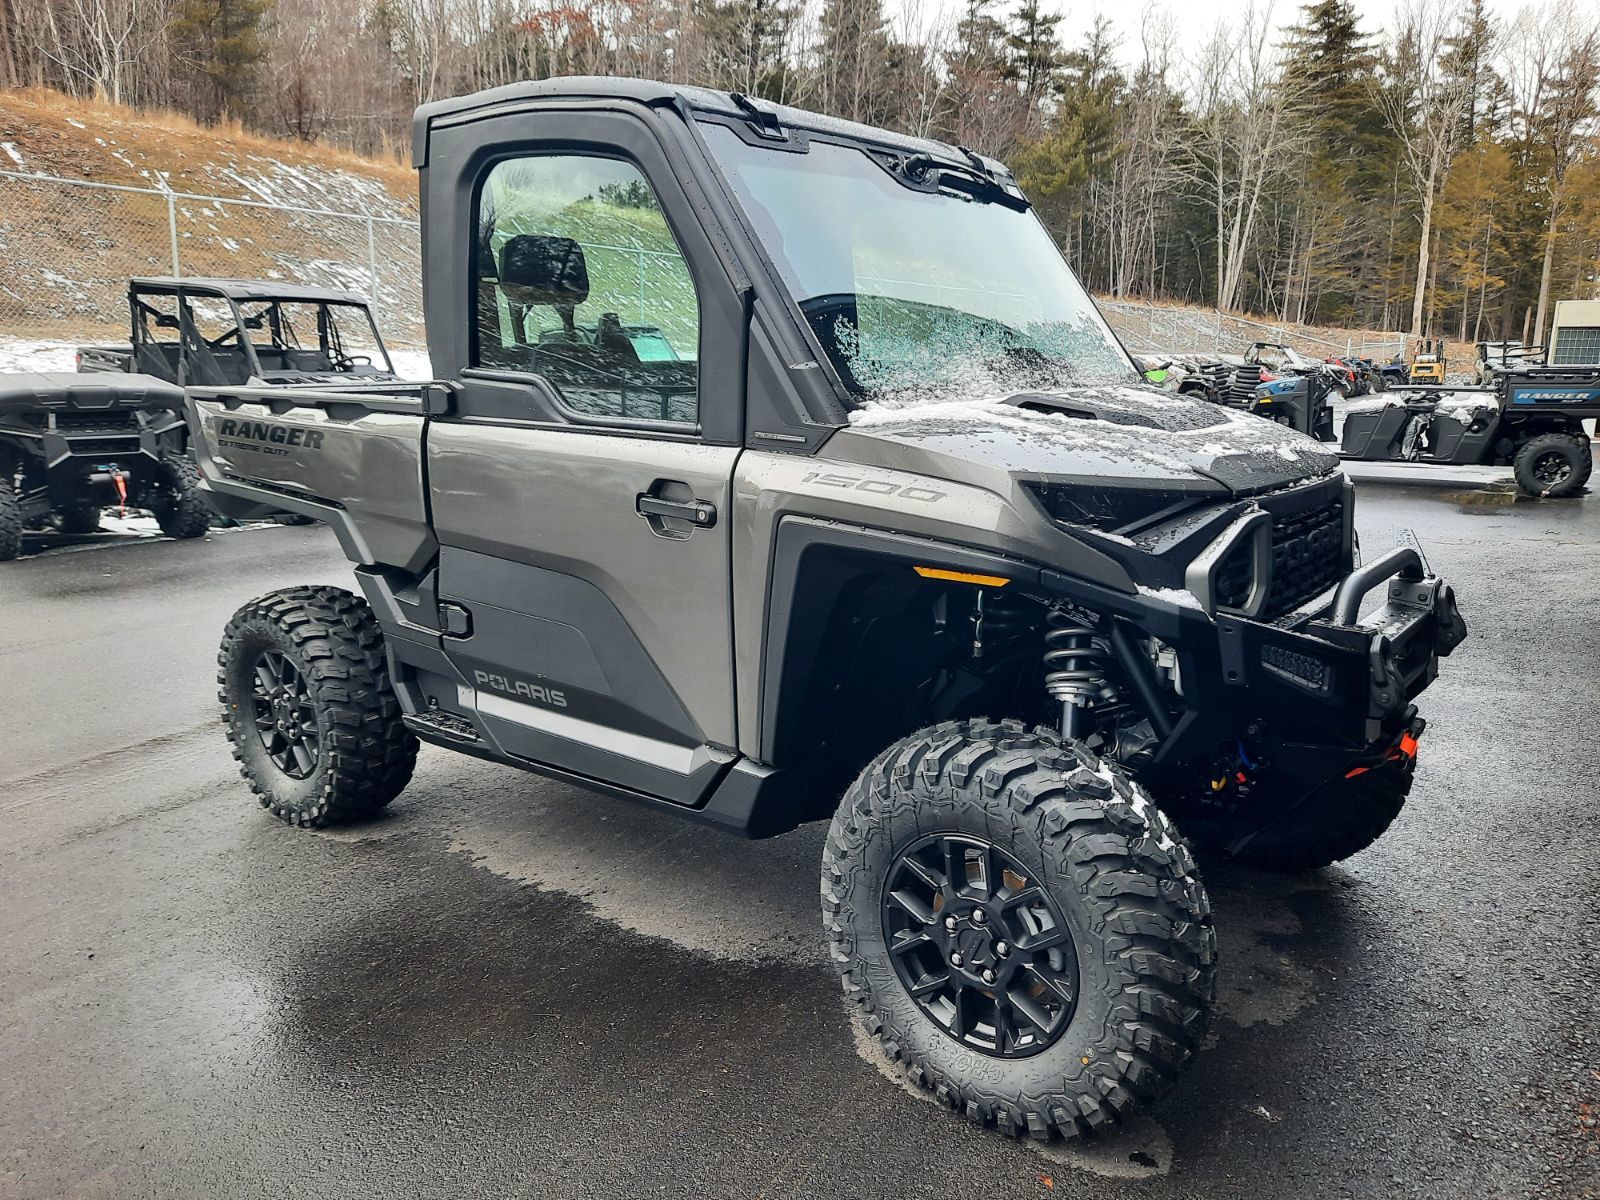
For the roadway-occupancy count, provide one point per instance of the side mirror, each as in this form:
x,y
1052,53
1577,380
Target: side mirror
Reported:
x,y
542,269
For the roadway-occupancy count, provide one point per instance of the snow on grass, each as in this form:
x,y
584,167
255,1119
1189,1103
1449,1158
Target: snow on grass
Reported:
x,y
412,364
21,354
17,354
12,151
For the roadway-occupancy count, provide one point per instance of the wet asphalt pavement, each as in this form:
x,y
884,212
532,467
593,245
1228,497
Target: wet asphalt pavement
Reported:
x,y
511,987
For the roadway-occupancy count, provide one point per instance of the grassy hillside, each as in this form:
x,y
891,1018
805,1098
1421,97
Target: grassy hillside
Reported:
x,y
69,250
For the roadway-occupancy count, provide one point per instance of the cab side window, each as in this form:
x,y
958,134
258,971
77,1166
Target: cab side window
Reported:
x,y
579,280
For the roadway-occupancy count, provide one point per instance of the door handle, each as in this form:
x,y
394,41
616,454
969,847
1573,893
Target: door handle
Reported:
x,y
700,513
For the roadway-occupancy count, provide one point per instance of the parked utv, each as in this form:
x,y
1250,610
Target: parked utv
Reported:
x,y
1267,362
70,447
1495,358
1188,375
1301,402
222,331
898,519
1530,419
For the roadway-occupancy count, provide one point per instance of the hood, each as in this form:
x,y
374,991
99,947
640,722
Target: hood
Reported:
x,y
1117,435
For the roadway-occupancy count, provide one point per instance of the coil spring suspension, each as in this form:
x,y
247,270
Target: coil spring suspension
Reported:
x,y
1074,670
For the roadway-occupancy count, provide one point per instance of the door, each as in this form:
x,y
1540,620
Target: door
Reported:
x,y
581,489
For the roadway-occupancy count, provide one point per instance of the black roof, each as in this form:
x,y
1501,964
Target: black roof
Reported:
x,y
243,289
647,91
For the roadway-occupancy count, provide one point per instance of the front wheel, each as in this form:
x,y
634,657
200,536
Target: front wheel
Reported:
x,y
1020,926
11,521
1553,464
314,722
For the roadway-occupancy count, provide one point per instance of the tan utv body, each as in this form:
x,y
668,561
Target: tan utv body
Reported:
x,y
777,459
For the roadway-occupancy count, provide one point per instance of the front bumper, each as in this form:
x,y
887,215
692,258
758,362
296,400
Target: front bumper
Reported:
x,y
1324,677
1333,677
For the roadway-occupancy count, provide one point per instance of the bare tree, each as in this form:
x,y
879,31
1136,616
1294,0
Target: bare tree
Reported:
x,y
1425,105
1553,67
1244,135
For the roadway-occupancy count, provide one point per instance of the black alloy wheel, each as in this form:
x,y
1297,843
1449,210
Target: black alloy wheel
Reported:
x,y
1552,468
285,715
979,946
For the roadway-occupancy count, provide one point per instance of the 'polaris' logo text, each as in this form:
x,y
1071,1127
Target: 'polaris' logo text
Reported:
x,y
265,436
536,692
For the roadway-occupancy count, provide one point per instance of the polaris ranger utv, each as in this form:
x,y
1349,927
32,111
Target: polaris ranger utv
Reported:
x,y
1530,418
896,518
70,447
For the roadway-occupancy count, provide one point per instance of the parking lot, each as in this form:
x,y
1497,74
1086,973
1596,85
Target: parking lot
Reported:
x,y
508,986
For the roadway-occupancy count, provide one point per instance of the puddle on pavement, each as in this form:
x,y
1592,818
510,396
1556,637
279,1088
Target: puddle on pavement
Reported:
x,y
1258,981
1488,499
701,891
1138,1149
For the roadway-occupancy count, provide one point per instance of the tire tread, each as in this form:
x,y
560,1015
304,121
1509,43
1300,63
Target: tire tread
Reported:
x,y
1119,849
369,752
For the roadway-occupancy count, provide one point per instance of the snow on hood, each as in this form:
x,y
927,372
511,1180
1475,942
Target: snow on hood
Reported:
x,y
1106,434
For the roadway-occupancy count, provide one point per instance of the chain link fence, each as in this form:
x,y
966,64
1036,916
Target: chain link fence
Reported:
x,y
1161,329
70,246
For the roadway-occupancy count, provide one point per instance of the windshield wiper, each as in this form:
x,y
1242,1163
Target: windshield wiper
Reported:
x,y
926,173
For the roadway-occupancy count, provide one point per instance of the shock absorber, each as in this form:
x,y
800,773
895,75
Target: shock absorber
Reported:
x,y
996,619
1074,670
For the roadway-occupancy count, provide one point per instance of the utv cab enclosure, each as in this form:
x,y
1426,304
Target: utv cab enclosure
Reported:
x,y
778,457
213,332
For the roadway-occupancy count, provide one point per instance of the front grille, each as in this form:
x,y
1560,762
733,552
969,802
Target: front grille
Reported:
x,y
75,423
1307,559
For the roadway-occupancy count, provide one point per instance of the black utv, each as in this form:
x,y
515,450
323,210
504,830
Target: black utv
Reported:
x,y
1530,418
895,535
71,447
218,331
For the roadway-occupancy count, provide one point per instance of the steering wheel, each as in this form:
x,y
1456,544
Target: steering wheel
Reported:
x,y
345,361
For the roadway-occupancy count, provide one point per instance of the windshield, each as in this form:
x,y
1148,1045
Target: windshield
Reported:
x,y
916,294
312,335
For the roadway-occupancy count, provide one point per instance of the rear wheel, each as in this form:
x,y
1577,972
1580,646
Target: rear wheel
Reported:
x,y
1020,927
10,515
181,510
314,722
1553,464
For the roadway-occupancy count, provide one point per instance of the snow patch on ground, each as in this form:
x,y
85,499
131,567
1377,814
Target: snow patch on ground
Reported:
x,y
412,364
12,151
17,354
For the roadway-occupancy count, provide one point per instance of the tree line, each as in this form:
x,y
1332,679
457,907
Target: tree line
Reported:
x,y
1440,174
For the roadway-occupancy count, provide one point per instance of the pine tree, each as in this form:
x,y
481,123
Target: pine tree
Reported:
x,y
1034,51
224,41
746,45
854,69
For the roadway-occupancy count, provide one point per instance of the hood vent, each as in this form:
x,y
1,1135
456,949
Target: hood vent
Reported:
x,y
1127,406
